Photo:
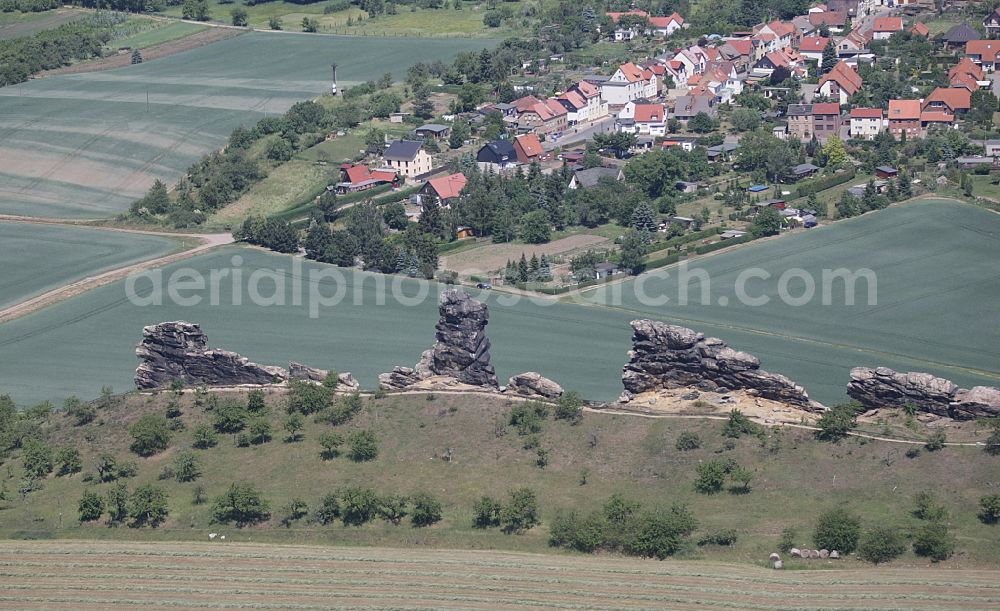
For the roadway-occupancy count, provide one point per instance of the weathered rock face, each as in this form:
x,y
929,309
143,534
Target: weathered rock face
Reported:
x,y
532,384
462,350
668,356
298,371
883,387
179,351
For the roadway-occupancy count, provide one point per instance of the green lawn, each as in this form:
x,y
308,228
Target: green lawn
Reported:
x,y
87,145
928,325
163,32
38,258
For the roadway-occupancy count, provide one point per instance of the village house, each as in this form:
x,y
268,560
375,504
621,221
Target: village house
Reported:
x,y
622,33
866,123
930,119
587,178
777,34
983,53
740,52
356,178
853,44
496,156
407,158
442,191
992,22
885,27
811,47
960,35
628,83
954,101
919,29
800,121
993,148
719,80
642,118
665,26
685,143
583,102
966,74
834,20
540,116
687,106
886,171
800,171
904,119
528,148
854,8
826,120
840,83
432,131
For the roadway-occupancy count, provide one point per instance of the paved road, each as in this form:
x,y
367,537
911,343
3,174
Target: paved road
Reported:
x,y
581,133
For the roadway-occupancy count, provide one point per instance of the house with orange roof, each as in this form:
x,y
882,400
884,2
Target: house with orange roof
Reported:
x,y
528,148
583,102
853,43
785,34
866,123
356,178
885,27
834,20
935,118
840,83
786,58
904,119
665,26
540,116
677,71
720,80
919,29
740,51
952,100
628,83
983,53
812,47
642,118
626,33
442,190
967,67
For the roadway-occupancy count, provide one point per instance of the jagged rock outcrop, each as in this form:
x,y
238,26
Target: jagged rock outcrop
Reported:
x,y
345,381
533,384
179,351
669,356
882,387
462,350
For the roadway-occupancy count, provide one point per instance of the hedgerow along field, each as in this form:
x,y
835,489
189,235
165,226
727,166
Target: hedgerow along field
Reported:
x,y
87,145
37,257
795,477
90,574
933,262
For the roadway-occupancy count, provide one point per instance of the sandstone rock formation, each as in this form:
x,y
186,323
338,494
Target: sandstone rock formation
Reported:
x,y
462,350
533,384
179,351
345,381
668,356
883,387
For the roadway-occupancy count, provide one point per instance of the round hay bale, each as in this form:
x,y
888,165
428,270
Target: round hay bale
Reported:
x,y
835,554
824,553
774,556
778,564
795,552
813,554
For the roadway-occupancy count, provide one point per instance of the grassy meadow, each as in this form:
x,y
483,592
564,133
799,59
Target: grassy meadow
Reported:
x,y
38,258
86,145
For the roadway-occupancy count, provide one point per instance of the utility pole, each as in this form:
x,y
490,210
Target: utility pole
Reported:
x,y
333,87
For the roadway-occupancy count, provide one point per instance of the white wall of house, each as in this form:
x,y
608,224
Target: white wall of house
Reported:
x,y
865,128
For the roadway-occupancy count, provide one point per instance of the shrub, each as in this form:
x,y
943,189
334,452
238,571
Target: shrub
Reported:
x,y
393,508
187,467
521,513
787,540
81,412
69,461
330,441
341,412
486,512
307,398
260,431
989,509
117,503
881,544
933,540
148,506
256,404
242,504
331,380
688,441
570,407
936,440
426,510
150,434
37,458
926,507
293,425
230,416
992,446
357,505
203,437
741,477
581,533
661,534
364,446
527,417
295,510
739,425
711,477
837,529
91,506
726,536
837,422
328,510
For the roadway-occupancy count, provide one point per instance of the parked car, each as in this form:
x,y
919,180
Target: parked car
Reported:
x,y
484,285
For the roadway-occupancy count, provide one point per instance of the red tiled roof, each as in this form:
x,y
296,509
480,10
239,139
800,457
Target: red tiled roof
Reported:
x,y
955,98
866,113
632,72
574,98
845,76
588,90
813,44
888,24
616,16
743,46
663,22
966,66
936,117
450,186
530,144
835,18
985,49
920,29
903,110
360,173
966,81
826,108
781,28
649,113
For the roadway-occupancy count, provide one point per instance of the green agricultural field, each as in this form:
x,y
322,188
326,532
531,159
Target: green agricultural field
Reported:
x,y
17,24
86,145
161,33
936,284
38,258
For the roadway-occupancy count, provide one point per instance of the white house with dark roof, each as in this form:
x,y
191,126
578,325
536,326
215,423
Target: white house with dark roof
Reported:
x,y
407,157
